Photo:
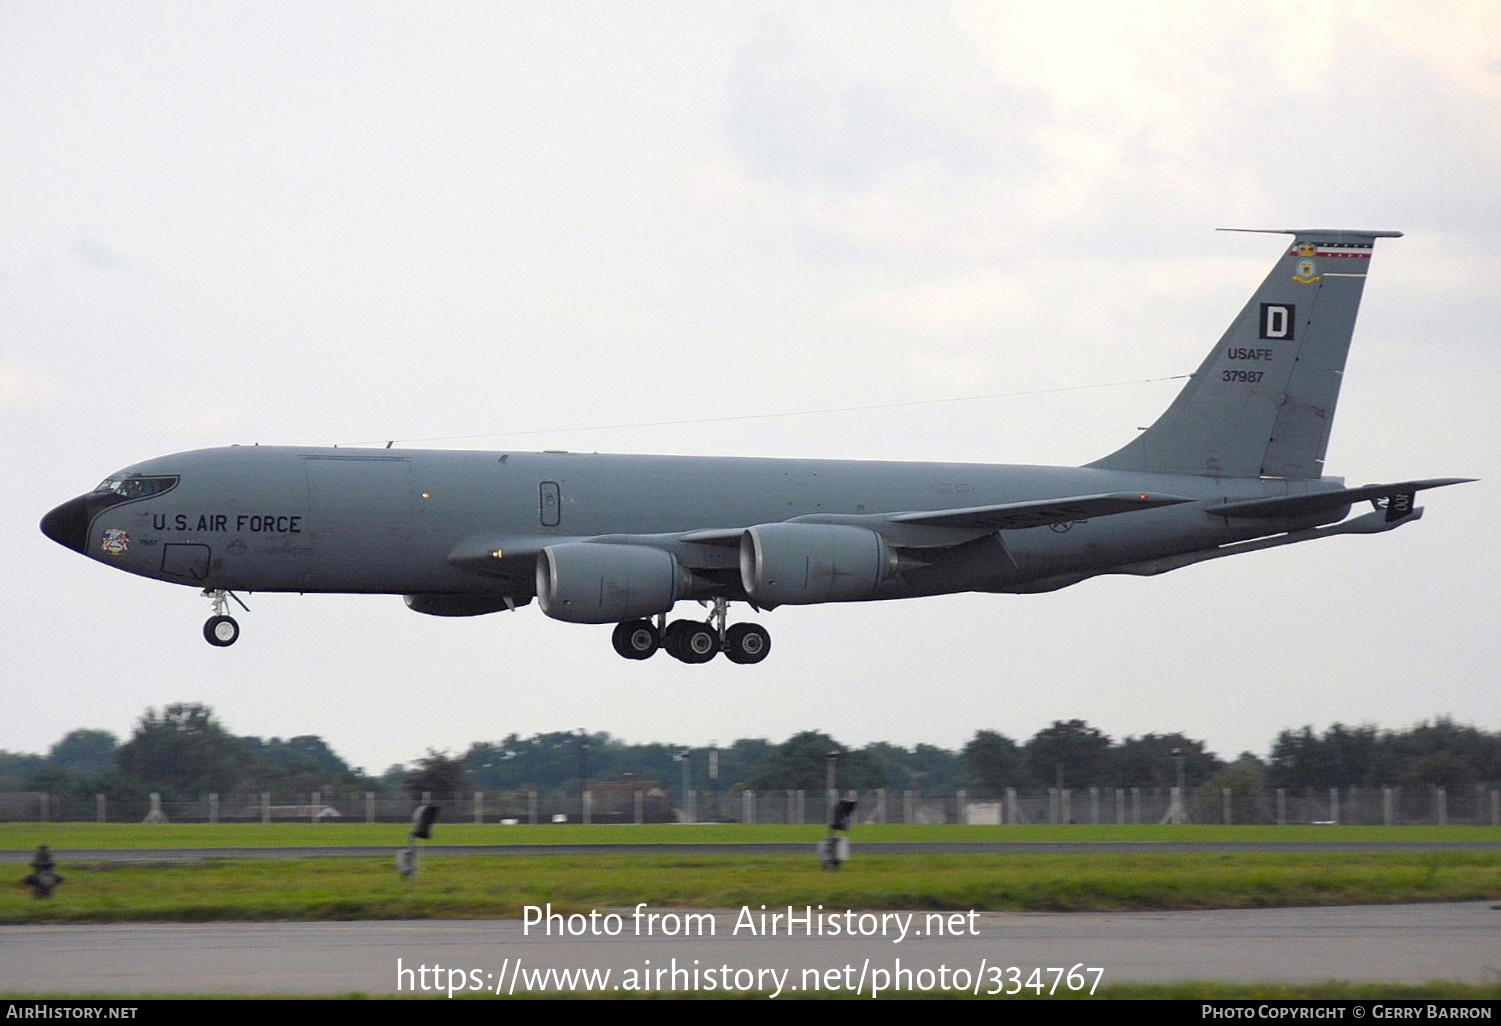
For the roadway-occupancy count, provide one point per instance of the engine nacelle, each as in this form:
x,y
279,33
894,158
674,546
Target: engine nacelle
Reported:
x,y
461,605
799,564
594,582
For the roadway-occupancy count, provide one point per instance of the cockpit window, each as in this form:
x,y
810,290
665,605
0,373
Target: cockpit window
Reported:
x,y
136,486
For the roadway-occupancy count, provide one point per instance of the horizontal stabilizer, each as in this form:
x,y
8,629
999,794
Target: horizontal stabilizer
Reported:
x,y
1321,502
1013,516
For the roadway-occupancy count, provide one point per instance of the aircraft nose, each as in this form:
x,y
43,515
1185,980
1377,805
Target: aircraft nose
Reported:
x,y
69,524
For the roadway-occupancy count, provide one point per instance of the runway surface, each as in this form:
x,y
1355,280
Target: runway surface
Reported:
x,y
1393,943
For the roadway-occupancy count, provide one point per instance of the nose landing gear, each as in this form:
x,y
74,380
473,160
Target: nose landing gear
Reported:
x,y
693,641
222,630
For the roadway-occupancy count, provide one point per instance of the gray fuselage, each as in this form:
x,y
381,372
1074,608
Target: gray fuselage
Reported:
x,y
270,518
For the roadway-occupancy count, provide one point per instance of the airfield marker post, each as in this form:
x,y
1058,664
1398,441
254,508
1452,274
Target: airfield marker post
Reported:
x,y
687,805
42,880
714,767
834,850
422,829
831,777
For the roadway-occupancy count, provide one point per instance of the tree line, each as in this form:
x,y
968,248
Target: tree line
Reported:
x,y
184,751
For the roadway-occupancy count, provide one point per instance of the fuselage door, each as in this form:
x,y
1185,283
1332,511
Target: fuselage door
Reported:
x,y
187,561
550,501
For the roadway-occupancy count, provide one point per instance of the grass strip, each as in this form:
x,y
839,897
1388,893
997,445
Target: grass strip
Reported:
x,y
467,888
63,836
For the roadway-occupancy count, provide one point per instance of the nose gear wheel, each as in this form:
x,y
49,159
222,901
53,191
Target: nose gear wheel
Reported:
x,y
222,630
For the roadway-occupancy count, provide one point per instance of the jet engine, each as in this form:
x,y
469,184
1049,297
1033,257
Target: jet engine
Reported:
x,y
799,564
594,582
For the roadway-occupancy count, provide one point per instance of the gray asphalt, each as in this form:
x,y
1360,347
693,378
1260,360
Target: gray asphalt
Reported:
x,y
1397,943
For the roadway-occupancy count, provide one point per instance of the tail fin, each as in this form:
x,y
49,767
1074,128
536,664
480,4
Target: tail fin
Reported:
x,y
1263,401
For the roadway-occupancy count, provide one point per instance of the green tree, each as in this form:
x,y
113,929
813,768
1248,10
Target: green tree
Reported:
x,y
85,753
1298,760
17,768
1149,761
298,764
1246,780
893,764
802,762
437,773
1072,750
183,750
1441,769
994,762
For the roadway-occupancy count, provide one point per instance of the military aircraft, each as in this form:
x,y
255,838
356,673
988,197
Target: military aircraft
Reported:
x,y
1235,464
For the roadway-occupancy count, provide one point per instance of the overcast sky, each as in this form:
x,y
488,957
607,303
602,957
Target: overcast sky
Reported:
x,y
521,225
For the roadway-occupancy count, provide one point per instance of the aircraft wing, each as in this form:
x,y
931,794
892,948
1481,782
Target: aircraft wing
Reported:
x,y
503,555
1014,516
1319,502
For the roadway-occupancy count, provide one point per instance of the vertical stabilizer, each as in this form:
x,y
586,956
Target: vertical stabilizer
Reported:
x,y
1262,402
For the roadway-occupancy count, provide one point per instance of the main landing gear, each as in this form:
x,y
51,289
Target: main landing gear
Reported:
x,y
693,641
222,630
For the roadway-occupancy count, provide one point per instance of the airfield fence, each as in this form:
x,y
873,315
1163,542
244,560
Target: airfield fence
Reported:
x,y
611,803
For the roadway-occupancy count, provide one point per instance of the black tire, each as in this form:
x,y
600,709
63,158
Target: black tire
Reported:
x,y
221,631
746,643
672,638
636,639
691,641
